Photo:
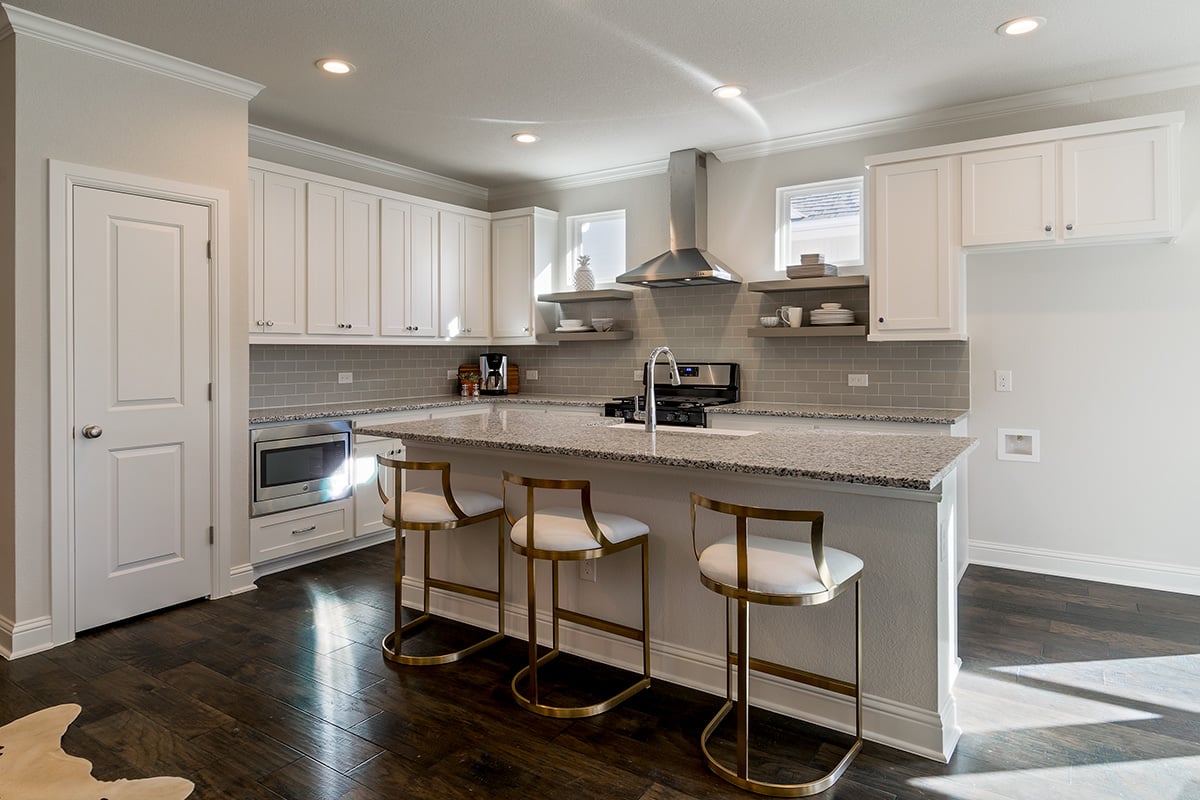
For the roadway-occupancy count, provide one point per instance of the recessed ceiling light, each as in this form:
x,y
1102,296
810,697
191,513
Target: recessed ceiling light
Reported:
x,y
525,138
336,66
1021,26
729,91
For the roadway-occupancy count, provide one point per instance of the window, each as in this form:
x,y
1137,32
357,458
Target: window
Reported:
x,y
821,217
601,236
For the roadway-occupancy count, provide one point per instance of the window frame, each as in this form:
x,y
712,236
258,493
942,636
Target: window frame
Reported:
x,y
574,223
783,216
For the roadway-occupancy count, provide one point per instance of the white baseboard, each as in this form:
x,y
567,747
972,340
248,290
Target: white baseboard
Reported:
x,y
1125,572
241,578
904,727
25,638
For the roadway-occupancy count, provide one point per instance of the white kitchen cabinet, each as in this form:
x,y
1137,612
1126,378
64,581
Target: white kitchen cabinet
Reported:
x,y
916,274
1106,187
1120,185
343,261
1010,195
277,258
523,247
408,270
368,507
465,272
290,532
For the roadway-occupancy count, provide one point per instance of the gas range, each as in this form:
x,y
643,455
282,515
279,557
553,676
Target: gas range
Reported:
x,y
702,384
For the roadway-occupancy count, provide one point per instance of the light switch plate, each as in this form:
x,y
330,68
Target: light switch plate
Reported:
x,y
345,377
531,374
451,374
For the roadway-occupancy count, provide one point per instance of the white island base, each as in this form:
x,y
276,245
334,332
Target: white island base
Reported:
x,y
904,536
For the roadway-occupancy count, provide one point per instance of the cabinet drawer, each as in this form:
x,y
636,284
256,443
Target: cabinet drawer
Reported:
x,y
270,540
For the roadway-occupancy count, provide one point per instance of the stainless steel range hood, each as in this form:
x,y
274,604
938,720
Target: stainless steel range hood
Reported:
x,y
687,263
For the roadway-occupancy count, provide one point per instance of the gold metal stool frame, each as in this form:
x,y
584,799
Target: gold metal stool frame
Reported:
x,y
532,703
744,596
393,642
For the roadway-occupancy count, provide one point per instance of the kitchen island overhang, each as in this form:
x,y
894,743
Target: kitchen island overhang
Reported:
x,y
890,499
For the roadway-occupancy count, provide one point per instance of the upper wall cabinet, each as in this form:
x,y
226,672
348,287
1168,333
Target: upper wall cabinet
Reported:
x,y
343,261
1106,187
276,253
408,270
465,244
915,282
522,261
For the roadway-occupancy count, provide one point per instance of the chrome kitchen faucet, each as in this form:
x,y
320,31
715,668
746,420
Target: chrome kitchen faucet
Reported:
x,y
675,381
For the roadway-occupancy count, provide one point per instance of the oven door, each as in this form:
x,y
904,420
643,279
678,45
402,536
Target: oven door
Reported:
x,y
293,471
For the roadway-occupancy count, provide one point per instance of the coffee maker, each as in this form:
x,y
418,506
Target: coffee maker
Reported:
x,y
493,372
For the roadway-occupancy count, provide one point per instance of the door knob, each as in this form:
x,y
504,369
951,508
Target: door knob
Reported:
x,y
92,431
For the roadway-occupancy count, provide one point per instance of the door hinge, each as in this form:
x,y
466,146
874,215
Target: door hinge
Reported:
x,y
210,249
210,534
210,393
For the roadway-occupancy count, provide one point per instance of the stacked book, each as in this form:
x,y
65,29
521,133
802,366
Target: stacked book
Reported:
x,y
812,265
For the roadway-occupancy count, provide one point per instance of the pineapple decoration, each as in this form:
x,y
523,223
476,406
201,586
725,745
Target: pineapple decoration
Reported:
x,y
585,280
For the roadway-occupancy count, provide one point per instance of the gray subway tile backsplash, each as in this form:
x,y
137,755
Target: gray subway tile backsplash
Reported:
x,y
704,323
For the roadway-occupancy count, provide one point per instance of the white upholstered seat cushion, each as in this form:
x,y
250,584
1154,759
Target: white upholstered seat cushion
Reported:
x,y
776,566
422,505
563,529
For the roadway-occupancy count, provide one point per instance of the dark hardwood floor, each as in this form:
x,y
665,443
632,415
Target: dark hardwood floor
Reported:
x,y
1069,689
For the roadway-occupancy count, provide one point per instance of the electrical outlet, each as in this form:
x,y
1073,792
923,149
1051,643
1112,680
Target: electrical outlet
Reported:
x,y
531,374
345,377
856,380
587,570
637,374
1004,380
451,374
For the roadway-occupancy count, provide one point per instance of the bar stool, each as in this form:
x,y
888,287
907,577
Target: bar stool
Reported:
x,y
428,510
573,534
779,572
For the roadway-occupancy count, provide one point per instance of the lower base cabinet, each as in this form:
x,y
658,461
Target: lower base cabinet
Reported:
x,y
368,507
291,532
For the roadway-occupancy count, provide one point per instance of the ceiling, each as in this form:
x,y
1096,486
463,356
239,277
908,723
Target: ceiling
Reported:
x,y
441,85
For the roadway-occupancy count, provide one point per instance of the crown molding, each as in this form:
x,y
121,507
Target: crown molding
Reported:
x,y
582,179
308,147
64,34
1077,94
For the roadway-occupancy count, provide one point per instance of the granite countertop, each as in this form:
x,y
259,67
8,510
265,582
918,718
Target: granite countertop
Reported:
x,y
879,414
292,413
892,460
933,416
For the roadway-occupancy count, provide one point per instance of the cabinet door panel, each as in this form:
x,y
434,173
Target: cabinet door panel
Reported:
x,y
422,274
451,231
283,255
360,264
324,257
1009,195
512,281
254,238
476,277
393,263
1116,184
913,286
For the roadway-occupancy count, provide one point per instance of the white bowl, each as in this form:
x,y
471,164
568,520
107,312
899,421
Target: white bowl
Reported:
x,y
769,322
602,323
830,306
571,323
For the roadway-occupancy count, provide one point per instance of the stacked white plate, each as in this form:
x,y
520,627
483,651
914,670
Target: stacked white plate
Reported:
x,y
831,314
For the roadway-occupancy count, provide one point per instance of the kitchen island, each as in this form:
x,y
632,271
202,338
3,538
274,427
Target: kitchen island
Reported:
x,y
890,499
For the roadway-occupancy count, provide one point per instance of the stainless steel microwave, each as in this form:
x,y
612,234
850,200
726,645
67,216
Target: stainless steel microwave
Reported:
x,y
299,465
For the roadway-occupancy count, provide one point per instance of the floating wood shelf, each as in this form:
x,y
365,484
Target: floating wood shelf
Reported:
x,y
808,330
588,336
808,284
585,297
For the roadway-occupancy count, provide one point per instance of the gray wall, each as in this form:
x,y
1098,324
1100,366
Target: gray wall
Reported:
x,y
82,109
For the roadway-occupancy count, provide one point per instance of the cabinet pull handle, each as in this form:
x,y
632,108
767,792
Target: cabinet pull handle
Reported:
x,y
261,323
1049,228
309,529
881,319
349,325
270,323
1070,226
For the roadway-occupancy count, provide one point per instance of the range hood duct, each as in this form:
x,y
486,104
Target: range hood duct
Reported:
x,y
687,263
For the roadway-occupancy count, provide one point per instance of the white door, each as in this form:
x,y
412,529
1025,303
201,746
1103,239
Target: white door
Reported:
x,y
141,404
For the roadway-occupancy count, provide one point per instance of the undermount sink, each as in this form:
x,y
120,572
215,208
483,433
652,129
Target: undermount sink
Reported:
x,y
641,426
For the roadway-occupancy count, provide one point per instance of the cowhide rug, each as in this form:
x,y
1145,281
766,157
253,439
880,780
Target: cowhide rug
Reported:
x,y
33,765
